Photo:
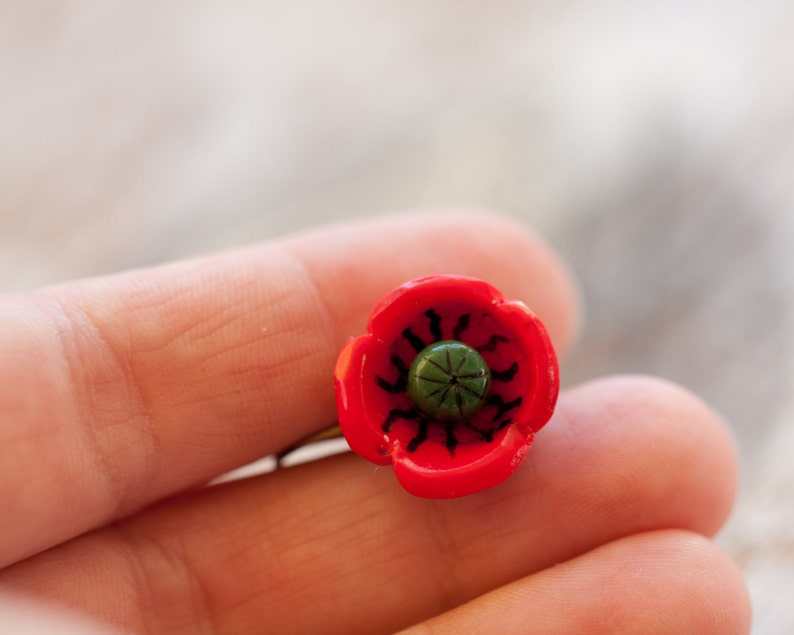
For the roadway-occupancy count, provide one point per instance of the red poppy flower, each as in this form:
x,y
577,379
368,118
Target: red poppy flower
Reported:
x,y
449,385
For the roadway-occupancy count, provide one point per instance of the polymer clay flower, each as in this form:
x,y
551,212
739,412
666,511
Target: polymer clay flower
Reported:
x,y
449,385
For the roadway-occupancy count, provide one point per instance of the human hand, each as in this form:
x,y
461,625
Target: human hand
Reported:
x,y
121,397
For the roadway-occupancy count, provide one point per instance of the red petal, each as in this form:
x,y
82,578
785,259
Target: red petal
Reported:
x,y
388,316
542,384
435,475
356,417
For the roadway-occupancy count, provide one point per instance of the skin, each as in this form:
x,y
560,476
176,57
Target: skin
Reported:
x,y
121,397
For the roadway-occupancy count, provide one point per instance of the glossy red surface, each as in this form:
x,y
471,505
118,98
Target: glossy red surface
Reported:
x,y
433,459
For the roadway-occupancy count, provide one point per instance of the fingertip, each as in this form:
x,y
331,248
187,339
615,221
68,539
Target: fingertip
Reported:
x,y
706,442
655,450
668,581
723,603
652,583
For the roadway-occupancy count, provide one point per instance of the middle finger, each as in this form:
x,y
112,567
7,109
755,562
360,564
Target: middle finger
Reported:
x,y
338,545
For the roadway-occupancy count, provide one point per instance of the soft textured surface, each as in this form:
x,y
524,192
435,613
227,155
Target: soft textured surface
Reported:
x,y
653,146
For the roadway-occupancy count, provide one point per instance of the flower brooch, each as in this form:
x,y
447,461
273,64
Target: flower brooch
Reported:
x,y
449,385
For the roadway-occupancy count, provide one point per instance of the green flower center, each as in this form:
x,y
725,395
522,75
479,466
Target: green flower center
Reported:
x,y
448,381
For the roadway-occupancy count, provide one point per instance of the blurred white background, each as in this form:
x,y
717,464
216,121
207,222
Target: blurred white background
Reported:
x,y
653,144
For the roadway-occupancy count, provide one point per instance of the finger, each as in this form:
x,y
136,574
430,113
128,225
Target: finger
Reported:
x,y
118,391
621,456
662,582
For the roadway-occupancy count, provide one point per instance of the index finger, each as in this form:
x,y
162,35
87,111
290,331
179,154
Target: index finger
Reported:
x,y
118,391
